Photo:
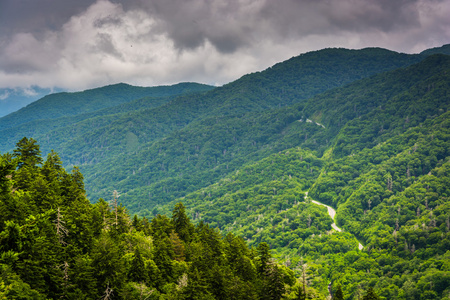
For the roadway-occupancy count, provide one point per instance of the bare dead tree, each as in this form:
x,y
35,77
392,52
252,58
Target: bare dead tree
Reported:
x,y
389,181
61,230
115,206
108,294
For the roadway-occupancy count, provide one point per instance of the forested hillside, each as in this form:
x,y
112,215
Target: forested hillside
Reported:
x,y
55,244
363,131
206,150
64,110
12,99
98,134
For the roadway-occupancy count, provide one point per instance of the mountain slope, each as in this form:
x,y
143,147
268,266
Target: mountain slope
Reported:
x,y
445,49
44,116
68,104
243,156
204,151
392,194
125,140
12,99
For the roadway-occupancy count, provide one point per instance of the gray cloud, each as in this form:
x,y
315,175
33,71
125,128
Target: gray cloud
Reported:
x,y
85,43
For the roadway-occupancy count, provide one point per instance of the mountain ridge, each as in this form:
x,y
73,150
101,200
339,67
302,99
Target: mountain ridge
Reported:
x,y
90,100
242,157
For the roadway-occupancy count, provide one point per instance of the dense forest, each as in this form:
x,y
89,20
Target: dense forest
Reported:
x,y
225,185
55,244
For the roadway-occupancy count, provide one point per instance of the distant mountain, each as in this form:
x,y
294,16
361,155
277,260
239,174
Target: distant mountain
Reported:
x,y
69,104
14,99
101,135
445,49
38,118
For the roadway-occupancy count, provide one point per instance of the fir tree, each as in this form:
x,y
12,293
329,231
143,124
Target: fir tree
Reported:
x,y
300,295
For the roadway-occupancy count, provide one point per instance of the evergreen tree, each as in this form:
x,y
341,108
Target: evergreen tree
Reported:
x,y
181,222
28,158
370,295
136,223
299,294
264,258
163,256
137,269
338,295
273,285
28,153
10,207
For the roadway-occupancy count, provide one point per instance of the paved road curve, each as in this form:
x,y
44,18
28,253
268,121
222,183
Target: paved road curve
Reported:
x,y
332,213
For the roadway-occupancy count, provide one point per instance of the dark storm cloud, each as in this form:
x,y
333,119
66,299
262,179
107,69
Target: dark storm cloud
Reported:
x,y
226,24
229,25
83,43
37,15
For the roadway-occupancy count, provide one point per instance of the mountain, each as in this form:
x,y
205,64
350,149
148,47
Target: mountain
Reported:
x,y
65,109
445,49
206,150
14,99
109,136
69,104
363,131
384,167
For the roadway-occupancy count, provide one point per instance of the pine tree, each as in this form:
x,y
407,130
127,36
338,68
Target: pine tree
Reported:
x,y
163,256
28,157
137,224
300,295
273,286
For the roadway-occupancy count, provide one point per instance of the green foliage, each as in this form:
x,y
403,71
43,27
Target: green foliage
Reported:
x,y
239,160
66,247
370,295
128,139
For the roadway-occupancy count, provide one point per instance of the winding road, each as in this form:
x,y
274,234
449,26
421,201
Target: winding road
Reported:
x,y
332,213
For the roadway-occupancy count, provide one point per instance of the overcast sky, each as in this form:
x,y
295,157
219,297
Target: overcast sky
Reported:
x,y
80,44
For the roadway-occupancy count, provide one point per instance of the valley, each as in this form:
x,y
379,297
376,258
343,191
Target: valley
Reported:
x,y
332,213
300,165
